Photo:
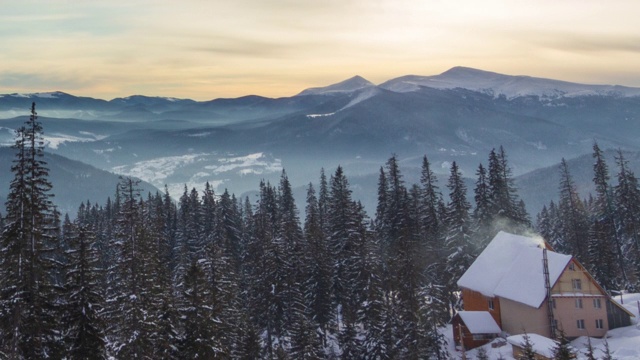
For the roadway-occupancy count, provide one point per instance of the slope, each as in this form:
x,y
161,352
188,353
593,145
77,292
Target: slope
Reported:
x,y
73,182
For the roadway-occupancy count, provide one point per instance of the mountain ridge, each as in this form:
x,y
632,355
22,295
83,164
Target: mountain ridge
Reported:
x,y
488,82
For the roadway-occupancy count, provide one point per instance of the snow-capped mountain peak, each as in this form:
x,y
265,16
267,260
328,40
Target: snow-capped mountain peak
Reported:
x,y
509,86
41,95
353,84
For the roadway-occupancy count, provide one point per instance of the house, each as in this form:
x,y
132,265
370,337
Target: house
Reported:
x,y
526,287
476,328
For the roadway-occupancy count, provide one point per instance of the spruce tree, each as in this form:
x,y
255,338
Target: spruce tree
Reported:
x,y
198,339
26,296
482,216
507,215
85,300
317,258
482,354
605,250
562,350
527,349
607,352
431,217
590,354
130,292
573,218
458,236
627,199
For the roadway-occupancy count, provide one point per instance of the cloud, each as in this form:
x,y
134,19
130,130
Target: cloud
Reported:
x,y
590,43
203,48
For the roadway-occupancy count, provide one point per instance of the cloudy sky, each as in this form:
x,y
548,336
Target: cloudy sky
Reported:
x,y
205,49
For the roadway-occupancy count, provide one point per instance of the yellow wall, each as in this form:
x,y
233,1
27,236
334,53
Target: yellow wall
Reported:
x,y
564,284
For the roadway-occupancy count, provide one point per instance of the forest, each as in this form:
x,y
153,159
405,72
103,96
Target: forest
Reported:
x,y
212,276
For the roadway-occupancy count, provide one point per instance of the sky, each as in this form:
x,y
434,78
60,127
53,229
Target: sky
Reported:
x,y
206,49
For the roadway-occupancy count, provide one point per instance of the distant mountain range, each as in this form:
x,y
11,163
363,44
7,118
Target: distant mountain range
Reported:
x,y
459,115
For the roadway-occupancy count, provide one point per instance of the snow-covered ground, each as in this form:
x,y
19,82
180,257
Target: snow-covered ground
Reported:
x,y
624,343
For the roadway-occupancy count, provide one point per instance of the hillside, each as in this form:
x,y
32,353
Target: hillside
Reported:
x,y
73,182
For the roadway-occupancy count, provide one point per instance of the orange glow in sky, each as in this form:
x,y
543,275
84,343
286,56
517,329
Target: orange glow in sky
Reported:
x,y
205,49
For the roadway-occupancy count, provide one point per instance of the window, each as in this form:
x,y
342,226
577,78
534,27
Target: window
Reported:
x,y
580,324
577,284
490,304
553,303
578,303
599,324
597,304
572,266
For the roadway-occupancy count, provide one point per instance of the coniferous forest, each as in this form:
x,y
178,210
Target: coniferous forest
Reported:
x,y
211,276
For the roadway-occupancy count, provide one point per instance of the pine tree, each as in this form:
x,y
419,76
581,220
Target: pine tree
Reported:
x,y
527,349
431,217
265,281
228,234
347,239
482,354
377,313
590,354
482,216
605,250
318,281
507,214
573,218
26,297
198,322
607,352
562,350
627,198
85,300
433,315
130,293
458,238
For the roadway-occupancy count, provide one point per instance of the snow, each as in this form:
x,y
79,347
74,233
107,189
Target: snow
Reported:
x,y
156,170
47,95
313,116
200,134
509,262
54,140
243,163
631,302
540,344
362,96
42,95
528,270
624,343
479,322
171,170
503,85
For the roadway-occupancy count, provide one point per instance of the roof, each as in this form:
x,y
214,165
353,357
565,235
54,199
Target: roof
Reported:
x,y
540,344
479,322
511,267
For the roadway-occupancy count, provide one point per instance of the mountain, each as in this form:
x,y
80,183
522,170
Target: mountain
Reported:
x,y
73,182
346,86
504,85
459,115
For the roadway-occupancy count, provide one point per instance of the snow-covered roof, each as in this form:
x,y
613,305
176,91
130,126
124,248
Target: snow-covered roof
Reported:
x,y
511,267
540,344
479,322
